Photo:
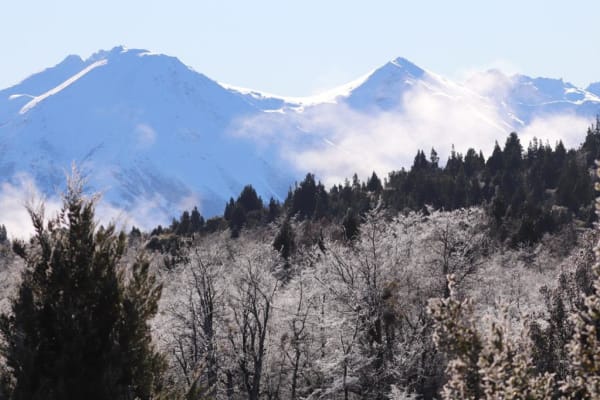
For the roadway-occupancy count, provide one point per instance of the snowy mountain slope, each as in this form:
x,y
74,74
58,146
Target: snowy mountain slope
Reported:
x,y
154,134
144,126
594,88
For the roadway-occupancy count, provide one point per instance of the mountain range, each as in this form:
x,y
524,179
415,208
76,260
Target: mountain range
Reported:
x,y
150,132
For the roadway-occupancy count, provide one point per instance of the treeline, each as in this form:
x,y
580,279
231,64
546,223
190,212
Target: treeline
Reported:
x,y
383,314
526,192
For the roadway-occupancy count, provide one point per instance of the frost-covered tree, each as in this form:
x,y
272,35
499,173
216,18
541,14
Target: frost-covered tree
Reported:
x,y
457,241
376,322
493,366
583,379
194,326
250,313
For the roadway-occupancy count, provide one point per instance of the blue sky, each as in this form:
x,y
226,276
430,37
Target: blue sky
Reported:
x,y
301,47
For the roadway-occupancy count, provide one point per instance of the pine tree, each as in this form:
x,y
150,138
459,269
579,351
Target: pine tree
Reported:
x,y
229,207
237,220
285,242
374,184
434,159
78,329
513,152
304,198
196,221
249,200
274,209
3,234
495,162
351,224
184,225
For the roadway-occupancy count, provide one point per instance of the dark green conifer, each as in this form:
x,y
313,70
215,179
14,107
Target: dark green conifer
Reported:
x,y
184,225
374,184
249,200
351,225
285,242
196,221
77,328
274,209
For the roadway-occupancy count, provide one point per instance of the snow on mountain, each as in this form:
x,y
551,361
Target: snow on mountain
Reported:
x,y
594,88
145,127
153,133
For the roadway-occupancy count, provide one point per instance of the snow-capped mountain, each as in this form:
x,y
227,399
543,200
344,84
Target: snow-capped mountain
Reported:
x,y
151,132
144,127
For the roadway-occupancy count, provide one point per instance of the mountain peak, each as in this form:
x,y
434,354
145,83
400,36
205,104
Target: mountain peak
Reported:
x,y
115,52
408,66
72,59
158,133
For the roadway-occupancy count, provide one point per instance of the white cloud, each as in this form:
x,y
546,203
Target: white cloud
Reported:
x,y
189,202
146,135
492,83
507,67
14,197
568,128
145,214
334,140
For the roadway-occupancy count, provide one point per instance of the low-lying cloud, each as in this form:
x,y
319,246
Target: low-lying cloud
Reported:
x,y
21,192
334,140
14,198
553,128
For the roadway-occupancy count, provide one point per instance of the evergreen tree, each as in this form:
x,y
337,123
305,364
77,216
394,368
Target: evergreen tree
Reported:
x,y
473,164
454,164
420,161
135,232
560,154
495,162
351,224
285,242
273,210
434,158
229,207
459,197
591,146
304,198
78,329
374,184
196,221
3,234
237,221
183,228
513,153
321,203
249,200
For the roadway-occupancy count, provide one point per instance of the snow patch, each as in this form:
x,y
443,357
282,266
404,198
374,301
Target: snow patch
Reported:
x,y
18,96
38,99
329,96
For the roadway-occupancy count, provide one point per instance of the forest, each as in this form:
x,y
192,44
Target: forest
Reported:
x,y
475,279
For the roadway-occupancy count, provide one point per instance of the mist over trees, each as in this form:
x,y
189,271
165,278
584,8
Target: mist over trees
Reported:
x,y
475,280
527,192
